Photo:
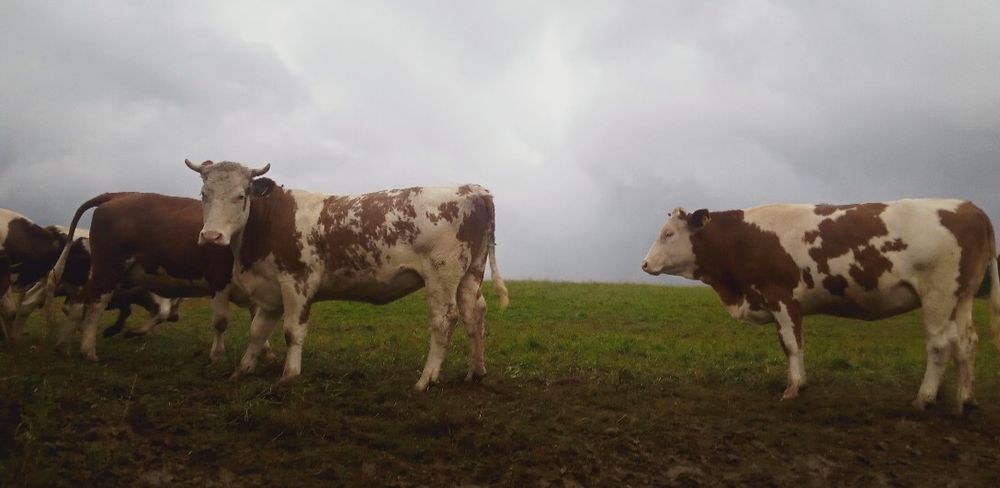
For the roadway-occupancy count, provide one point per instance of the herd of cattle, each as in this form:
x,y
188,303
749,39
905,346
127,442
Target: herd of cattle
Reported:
x,y
277,251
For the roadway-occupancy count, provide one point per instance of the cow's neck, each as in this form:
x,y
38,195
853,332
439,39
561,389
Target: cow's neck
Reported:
x,y
270,230
714,248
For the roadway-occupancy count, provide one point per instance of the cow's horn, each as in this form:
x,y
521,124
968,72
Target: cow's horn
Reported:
x,y
257,172
195,167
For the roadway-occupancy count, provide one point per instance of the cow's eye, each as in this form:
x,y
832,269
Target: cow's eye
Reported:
x,y
239,198
668,234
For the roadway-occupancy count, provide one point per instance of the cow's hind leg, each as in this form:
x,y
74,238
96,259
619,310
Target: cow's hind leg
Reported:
x,y
74,316
443,308
942,339
260,330
965,353
124,312
158,308
789,320
473,308
88,333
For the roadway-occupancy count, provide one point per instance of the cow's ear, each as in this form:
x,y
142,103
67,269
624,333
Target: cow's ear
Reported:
x,y
261,187
698,219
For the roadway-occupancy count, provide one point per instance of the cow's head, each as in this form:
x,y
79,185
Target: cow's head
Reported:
x,y
226,193
672,251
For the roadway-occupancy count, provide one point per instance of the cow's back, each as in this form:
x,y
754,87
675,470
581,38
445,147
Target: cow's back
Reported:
x,y
158,231
876,259
367,247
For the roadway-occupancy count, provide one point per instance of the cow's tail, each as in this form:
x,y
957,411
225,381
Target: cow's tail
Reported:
x,y
995,299
498,283
55,276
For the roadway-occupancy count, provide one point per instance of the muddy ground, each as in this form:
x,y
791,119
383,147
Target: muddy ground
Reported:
x,y
573,432
580,396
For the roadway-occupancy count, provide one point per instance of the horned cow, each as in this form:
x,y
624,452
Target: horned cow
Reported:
x,y
294,248
778,263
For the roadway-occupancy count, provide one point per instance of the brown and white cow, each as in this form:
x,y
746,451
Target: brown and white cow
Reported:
x,y
160,233
777,263
161,309
27,254
294,248
29,248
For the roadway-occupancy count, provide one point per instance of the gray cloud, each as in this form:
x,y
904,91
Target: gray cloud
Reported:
x,y
588,120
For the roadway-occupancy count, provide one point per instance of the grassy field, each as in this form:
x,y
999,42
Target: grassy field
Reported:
x,y
588,385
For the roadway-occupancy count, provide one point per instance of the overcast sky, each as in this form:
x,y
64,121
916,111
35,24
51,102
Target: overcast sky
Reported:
x,y
588,121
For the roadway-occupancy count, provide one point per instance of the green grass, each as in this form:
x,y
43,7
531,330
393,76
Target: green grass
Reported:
x,y
590,383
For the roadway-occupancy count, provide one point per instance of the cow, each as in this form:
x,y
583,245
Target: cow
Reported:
x,y
28,252
778,263
160,234
161,309
30,248
294,248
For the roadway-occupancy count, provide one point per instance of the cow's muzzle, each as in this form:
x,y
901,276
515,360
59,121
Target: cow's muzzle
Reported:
x,y
211,238
646,268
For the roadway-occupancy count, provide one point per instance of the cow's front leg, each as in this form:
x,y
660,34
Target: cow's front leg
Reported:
x,y
220,321
260,329
789,320
296,324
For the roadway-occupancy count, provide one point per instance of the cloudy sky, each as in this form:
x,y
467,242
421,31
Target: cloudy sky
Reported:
x,y
588,121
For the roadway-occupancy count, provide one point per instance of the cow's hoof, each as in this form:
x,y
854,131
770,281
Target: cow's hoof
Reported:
x,y
235,376
791,393
288,379
920,404
968,406
89,356
111,332
474,377
421,385
130,334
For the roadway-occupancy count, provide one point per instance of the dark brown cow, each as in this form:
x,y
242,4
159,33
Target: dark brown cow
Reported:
x,y
778,263
160,233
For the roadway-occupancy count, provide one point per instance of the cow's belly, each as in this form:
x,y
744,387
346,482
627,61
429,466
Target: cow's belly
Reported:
x,y
867,305
744,312
165,284
260,285
371,288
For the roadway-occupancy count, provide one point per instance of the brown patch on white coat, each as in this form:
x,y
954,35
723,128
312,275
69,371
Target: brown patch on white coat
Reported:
x,y
295,247
870,261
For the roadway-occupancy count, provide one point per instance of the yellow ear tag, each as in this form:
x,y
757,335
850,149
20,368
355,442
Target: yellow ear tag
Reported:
x,y
705,220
